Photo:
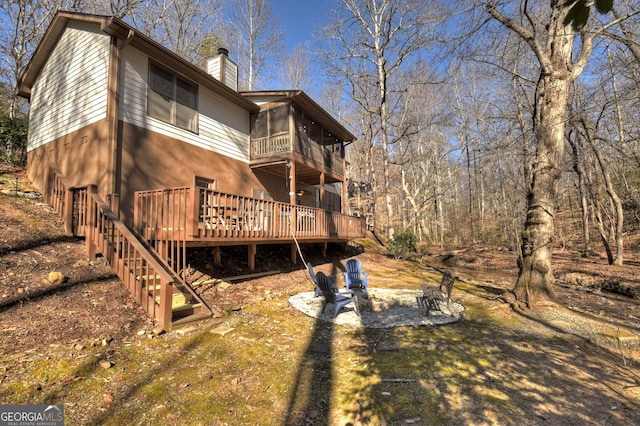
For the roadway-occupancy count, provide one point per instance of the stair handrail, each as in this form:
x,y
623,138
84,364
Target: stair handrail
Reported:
x,y
97,237
59,195
109,236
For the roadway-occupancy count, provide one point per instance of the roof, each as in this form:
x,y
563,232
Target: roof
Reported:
x,y
118,28
300,98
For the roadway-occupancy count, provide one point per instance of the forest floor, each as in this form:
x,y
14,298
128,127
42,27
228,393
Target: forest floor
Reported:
x,y
78,339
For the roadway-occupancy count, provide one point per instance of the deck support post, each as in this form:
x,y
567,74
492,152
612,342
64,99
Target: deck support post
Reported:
x,y
253,249
217,256
90,229
324,249
322,191
294,254
67,213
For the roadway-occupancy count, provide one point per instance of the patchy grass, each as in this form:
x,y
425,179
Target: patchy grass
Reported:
x,y
278,366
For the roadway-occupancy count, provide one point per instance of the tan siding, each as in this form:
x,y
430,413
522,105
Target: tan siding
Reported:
x,y
223,126
71,91
81,156
153,161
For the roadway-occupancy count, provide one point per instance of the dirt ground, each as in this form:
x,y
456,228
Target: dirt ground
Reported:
x,y
40,311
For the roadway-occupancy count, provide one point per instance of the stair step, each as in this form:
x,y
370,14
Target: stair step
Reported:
x,y
178,299
178,288
183,321
147,277
186,306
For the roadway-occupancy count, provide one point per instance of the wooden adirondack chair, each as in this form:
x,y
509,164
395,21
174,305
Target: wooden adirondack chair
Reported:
x,y
354,277
338,300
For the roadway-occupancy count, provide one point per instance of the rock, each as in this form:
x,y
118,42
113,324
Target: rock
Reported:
x,y
105,363
223,285
220,313
222,330
107,398
142,332
55,277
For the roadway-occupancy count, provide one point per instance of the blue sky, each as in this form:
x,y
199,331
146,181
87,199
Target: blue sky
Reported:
x,y
299,18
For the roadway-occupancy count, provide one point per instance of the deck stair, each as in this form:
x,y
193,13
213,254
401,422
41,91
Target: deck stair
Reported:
x,y
183,303
147,275
186,306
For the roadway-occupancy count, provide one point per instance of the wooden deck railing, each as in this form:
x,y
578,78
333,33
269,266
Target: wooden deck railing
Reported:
x,y
164,219
69,203
202,214
148,281
271,144
302,144
151,283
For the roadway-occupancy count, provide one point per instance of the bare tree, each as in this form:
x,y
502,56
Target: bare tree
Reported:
x,y
23,24
588,131
180,25
258,39
295,70
369,41
583,191
562,52
422,156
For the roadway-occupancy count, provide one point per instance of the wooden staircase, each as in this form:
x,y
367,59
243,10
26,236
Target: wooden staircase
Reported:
x,y
150,280
184,305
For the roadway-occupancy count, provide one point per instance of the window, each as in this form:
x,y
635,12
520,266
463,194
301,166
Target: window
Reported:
x,y
205,183
207,198
261,194
172,99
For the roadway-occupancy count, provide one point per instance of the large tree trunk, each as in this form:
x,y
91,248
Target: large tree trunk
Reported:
x,y
552,43
535,278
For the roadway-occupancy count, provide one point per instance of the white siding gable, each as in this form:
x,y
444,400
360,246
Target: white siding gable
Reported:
x,y
223,126
71,90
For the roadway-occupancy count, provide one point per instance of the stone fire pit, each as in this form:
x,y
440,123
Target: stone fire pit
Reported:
x,y
384,308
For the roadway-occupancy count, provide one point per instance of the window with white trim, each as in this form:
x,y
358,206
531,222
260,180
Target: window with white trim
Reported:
x,y
172,99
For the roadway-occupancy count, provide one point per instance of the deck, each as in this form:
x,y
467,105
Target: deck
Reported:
x,y
204,217
150,262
